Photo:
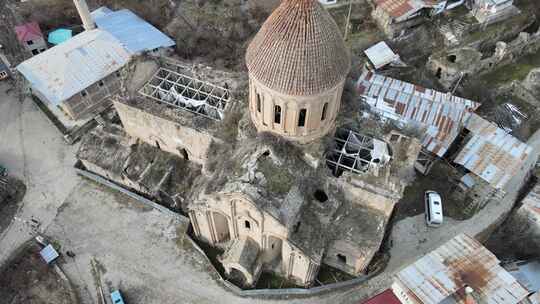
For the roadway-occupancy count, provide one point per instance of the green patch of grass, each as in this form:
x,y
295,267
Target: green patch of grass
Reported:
x,y
278,179
513,71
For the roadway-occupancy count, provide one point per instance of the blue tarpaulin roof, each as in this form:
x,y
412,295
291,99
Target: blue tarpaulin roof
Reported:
x,y
49,254
135,34
60,35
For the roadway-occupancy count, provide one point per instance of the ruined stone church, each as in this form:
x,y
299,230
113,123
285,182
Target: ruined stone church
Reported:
x,y
295,187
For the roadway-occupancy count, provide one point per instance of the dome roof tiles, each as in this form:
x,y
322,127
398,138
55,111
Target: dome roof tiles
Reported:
x,y
299,50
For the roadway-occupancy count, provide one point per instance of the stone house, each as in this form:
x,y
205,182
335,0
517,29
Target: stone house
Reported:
x,y
490,11
31,38
79,75
396,17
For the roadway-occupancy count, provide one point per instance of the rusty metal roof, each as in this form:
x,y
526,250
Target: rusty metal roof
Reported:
x,y
440,114
397,8
442,275
491,153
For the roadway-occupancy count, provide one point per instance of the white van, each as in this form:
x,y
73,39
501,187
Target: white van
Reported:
x,y
434,210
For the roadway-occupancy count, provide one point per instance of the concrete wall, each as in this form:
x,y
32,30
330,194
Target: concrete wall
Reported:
x,y
263,100
245,220
165,134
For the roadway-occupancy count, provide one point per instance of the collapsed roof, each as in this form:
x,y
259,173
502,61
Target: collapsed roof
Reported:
x,y
273,175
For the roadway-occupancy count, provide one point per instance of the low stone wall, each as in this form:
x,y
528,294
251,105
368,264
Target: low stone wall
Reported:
x,y
252,293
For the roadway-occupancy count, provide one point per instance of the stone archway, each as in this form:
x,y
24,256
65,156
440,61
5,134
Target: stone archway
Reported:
x,y
221,227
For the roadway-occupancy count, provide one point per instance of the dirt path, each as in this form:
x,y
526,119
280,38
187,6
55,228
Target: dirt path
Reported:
x,y
34,152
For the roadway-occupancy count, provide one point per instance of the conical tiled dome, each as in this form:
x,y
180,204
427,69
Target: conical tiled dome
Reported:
x,y
299,50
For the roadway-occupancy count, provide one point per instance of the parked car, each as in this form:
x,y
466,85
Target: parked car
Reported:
x,y
116,297
434,210
3,171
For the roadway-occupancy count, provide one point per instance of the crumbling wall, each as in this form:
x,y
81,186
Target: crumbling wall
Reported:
x,y
452,65
164,134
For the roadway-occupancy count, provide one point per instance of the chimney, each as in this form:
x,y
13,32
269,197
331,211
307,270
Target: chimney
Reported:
x,y
469,299
84,13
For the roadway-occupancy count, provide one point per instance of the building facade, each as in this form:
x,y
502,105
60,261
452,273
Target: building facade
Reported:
x,y
31,38
297,67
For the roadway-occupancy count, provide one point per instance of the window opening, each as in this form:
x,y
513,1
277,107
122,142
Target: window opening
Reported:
x,y
320,196
324,109
277,114
302,118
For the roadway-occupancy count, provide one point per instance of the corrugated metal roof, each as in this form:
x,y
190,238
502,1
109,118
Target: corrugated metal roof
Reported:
x,y
398,8
70,67
491,153
380,54
100,12
133,32
28,31
444,273
49,254
527,273
441,115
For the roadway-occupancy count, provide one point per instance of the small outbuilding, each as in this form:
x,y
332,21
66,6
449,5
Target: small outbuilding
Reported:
x,y
31,38
49,254
380,55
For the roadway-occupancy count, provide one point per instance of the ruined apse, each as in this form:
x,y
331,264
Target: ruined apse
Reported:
x,y
297,65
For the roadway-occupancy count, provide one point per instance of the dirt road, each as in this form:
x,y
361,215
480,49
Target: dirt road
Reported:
x,y
33,151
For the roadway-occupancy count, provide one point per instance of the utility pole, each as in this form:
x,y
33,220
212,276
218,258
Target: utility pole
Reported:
x,y
347,21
